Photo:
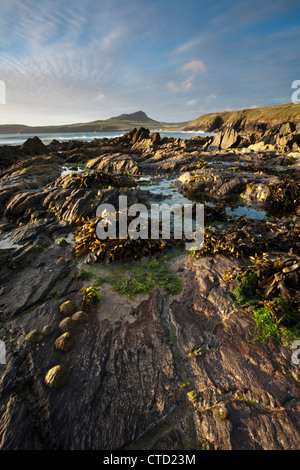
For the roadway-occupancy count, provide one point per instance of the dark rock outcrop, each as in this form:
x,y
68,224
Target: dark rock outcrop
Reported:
x,y
153,371
33,146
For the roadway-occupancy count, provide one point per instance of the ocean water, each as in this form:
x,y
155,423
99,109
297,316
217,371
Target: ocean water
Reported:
x,y
19,139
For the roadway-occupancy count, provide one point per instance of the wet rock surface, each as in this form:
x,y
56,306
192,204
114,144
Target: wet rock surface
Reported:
x,y
156,370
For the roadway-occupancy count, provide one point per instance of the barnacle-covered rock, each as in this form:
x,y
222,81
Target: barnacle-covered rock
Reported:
x,y
67,324
57,376
34,336
47,330
64,342
67,308
80,317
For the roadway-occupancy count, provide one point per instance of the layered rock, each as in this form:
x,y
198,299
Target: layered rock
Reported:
x,y
156,371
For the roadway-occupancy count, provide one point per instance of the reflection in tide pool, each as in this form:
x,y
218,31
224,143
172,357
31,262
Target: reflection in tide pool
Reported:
x,y
249,212
165,188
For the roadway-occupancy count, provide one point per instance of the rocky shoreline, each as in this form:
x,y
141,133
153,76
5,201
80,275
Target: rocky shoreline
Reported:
x,y
156,367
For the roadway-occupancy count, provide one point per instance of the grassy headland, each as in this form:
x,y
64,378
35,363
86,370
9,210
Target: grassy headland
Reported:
x,y
122,123
247,119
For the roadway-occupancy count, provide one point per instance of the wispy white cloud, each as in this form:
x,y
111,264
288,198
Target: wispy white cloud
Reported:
x,y
99,58
191,103
194,68
188,46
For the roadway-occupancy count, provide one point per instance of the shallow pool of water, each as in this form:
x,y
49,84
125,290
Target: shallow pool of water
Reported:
x,y
249,212
6,244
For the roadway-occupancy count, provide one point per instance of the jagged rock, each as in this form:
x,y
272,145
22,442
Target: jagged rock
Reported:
x,y
155,137
216,142
138,362
33,146
139,135
115,164
9,155
230,139
286,128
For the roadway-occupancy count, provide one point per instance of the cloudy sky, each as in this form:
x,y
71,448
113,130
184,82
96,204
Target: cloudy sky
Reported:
x,y
82,60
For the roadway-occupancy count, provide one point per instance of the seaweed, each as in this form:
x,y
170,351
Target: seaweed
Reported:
x,y
116,249
269,287
285,195
248,237
143,278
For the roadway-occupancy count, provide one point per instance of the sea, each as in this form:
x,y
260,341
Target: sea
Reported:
x,y
19,139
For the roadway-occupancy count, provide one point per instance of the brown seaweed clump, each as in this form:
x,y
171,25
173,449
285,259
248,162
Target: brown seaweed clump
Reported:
x,y
115,249
285,196
248,237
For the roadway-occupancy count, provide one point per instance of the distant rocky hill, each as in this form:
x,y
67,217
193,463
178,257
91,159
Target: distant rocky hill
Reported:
x,y
248,120
124,122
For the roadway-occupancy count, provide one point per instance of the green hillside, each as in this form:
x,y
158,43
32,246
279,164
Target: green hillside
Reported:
x,y
254,118
122,123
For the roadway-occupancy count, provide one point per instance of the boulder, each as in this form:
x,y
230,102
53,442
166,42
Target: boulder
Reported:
x,y
115,163
185,177
139,135
33,146
230,139
155,137
216,143
233,186
286,128
261,146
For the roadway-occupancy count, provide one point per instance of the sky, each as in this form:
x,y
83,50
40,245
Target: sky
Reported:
x,y
83,60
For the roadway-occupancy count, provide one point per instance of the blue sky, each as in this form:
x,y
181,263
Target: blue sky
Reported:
x,y
78,61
